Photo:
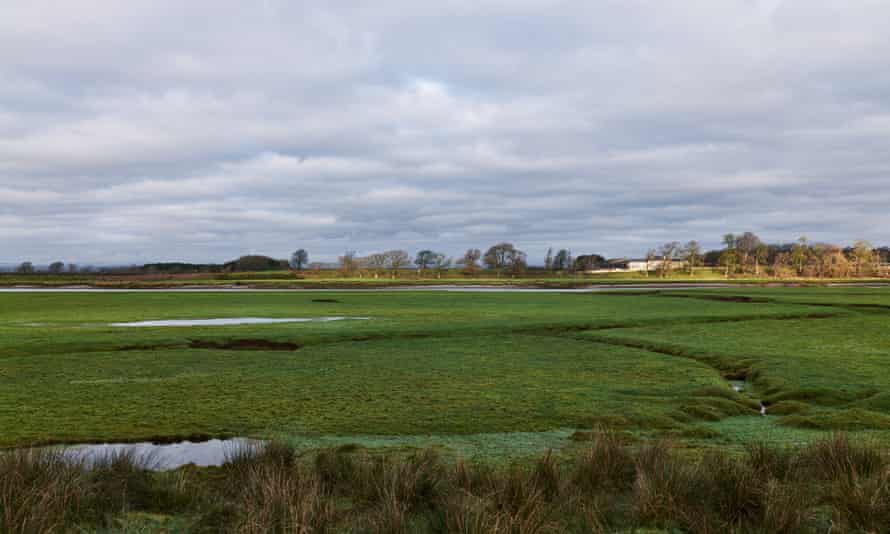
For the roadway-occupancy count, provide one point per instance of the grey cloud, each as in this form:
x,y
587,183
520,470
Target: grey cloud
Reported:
x,y
201,130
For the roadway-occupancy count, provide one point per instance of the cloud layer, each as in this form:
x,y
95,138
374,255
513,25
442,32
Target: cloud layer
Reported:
x,y
201,130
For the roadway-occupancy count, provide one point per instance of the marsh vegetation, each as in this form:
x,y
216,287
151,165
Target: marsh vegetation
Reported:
x,y
438,414
611,484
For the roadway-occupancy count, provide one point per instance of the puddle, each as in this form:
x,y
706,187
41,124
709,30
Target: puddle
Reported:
x,y
161,457
231,321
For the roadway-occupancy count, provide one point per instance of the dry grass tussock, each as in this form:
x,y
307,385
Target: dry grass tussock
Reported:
x,y
607,486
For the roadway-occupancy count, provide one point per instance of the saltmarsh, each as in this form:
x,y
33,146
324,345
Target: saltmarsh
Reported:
x,y
442,364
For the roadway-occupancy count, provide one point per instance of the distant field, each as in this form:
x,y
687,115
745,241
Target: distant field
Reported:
x,y
445,365
408,278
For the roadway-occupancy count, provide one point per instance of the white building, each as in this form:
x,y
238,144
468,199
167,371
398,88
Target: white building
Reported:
x,y
625,265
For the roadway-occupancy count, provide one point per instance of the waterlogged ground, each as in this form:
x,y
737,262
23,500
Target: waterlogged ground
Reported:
x,y
472,373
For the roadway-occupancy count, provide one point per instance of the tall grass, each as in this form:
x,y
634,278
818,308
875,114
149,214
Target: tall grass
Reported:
x,y
604,487
39,491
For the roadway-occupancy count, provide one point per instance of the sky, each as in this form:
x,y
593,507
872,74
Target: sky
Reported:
x,y
202,130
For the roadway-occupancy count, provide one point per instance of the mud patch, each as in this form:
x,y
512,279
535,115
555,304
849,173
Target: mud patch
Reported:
x,y
244,344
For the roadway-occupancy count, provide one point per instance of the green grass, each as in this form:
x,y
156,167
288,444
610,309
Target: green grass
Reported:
x,y
818,373
475,373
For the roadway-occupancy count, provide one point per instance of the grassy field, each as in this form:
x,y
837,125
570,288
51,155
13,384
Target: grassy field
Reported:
x,y
448,365
499,378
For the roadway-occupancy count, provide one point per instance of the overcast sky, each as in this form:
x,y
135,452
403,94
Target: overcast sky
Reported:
x,y
201,130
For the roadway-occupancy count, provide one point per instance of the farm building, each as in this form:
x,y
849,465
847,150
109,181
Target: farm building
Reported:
x,y
636,265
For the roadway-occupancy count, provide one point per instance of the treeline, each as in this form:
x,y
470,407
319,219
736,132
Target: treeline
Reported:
x,y
501,258
746,254
249,263
742,254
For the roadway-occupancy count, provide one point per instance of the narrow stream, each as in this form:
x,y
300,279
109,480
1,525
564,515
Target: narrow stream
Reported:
x,y
741,386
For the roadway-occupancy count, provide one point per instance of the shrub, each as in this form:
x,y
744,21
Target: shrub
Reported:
x,y
862,503
336,469
660,484
465,513
731,489
770,462
836,457
122,482
410,483
604,464
785,507
547,475
280,499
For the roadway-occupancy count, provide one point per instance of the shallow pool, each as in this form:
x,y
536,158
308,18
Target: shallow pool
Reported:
x,y
162,457
231,321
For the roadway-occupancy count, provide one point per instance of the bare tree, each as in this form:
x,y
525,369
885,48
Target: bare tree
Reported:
x,y
746,246
834,263
348,263
548,260
299,259
692,255
441,264
470,260
668,251
72,267
561,260
800,255
423,260
863,258
650,257
56,267
504,256
782,265
376,263
396,260
729,260
26,267
729,240
759,256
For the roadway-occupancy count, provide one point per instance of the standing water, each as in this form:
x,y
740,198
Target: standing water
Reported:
x,y
161,457
231,321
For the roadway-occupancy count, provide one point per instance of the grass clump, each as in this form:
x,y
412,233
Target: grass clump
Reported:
x,y
606,486
837,458
604,464
39,491
277,499
862,503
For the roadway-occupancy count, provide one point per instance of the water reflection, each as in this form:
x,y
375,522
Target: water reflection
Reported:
x,y
162,457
